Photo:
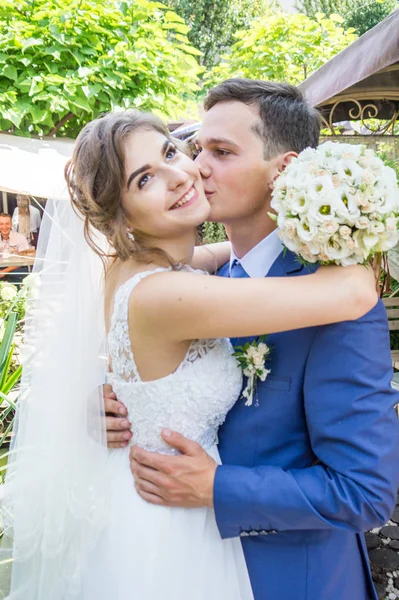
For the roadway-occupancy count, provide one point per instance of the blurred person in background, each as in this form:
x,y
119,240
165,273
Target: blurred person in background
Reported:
x,y
26,219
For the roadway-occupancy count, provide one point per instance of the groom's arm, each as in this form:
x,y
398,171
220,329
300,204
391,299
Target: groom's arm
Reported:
x,y
354,433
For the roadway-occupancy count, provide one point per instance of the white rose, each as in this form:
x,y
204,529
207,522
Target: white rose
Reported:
x,y
251,352
368,177
258,359
330,227
290,226
336,180
306,254
351,244
263,348
362,223
345,232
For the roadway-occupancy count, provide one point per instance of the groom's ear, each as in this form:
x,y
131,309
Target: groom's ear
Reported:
x,y
280,163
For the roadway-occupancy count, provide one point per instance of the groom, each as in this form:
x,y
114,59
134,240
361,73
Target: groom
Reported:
x,y
317,462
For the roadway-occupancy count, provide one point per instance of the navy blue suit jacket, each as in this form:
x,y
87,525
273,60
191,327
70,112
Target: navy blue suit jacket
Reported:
x,y
316,463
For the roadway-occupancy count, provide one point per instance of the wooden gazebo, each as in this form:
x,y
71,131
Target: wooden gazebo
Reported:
x,y
361,82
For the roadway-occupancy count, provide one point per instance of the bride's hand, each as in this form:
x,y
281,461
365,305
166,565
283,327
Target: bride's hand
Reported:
x,y
358,281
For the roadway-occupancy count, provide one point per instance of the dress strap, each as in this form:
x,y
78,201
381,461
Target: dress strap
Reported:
x,y
119,344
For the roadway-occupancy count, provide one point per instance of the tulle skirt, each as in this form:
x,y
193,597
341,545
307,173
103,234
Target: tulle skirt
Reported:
x,y
149,552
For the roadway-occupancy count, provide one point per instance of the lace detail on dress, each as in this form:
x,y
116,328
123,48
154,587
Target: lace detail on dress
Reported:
x,y
193,400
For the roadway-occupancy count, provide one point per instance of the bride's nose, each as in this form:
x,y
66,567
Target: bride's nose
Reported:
x,y
176,178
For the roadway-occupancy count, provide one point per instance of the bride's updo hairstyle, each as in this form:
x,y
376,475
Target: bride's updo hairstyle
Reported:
x,y
95,177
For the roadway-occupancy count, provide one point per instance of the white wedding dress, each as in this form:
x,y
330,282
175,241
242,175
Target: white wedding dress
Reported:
x,y
149,552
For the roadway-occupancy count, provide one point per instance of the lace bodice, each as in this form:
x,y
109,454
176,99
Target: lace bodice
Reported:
x,y
193,400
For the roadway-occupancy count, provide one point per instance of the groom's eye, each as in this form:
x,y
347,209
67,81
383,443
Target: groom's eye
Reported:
x,y
221,152
196,150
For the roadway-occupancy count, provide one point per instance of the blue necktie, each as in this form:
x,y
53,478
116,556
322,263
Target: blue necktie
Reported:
x,y
237,271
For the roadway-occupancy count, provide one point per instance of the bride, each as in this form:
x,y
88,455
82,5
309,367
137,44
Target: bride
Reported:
x,y
124,268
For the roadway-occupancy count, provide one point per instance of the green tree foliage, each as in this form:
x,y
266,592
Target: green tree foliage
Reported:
x,y
283,47
213,232
63,62
213,23
362,15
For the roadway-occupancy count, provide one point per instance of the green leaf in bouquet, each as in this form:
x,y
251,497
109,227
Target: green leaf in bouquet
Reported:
x,y
6,368
12,381
6,342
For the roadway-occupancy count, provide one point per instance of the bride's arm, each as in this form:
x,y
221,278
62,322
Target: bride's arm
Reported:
x,y
187,306
210,257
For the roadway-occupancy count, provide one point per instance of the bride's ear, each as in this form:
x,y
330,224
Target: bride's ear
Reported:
x,y
282,161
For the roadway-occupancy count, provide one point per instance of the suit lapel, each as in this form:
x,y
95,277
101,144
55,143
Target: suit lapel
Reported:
x,y
285,264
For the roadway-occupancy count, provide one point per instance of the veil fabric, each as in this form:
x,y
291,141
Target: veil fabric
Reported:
x,y
56,492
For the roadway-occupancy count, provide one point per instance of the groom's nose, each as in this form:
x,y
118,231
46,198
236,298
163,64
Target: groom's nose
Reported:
x,y
203,166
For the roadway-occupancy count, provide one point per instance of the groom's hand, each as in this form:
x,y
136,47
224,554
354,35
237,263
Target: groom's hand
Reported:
x,y
185,480
117,424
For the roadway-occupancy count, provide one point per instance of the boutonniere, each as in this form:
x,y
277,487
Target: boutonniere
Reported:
x,y
252,359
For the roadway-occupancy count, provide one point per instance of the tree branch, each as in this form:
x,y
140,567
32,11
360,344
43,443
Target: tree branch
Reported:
x,y
57,126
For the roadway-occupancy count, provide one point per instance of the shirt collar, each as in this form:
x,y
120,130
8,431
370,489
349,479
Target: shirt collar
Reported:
x,y
258,261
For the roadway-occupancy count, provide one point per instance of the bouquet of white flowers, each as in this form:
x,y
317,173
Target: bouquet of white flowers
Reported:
x,y
338,203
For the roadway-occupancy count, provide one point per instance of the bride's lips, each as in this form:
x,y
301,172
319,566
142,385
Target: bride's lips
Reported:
x,y
193,198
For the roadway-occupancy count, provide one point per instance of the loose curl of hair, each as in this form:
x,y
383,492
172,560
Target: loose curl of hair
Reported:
x,y
95,178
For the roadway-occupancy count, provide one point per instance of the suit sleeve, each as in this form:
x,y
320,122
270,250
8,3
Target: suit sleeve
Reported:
x,y
354,434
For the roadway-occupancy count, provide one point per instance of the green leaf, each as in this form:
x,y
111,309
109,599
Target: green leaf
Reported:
x,y
5,369
180,28
10,72
31,42
173,17
81,102
6,342
36,87
12,380
12,115
84,72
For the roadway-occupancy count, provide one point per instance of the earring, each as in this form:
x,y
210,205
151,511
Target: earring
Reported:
x,y
130,235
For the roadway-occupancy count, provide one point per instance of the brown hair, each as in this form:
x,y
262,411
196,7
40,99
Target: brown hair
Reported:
x,y
95,177
6,215
288,122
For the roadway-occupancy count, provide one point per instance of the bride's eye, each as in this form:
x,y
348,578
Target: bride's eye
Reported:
x,y
143,181
171,152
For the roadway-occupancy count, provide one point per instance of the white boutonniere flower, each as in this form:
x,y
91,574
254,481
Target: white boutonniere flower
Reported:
x,y
252,359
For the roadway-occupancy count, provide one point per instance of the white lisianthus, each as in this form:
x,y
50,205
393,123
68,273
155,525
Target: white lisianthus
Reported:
x,y
340,204
376,227
306,230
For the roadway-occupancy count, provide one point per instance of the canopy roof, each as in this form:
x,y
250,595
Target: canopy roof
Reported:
x,y
34,166
362,81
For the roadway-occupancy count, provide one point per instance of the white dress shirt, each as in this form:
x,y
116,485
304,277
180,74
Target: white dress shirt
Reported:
x,y
15,243
258,261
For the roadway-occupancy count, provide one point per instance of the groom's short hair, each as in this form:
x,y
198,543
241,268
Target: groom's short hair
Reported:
x,y
288,122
